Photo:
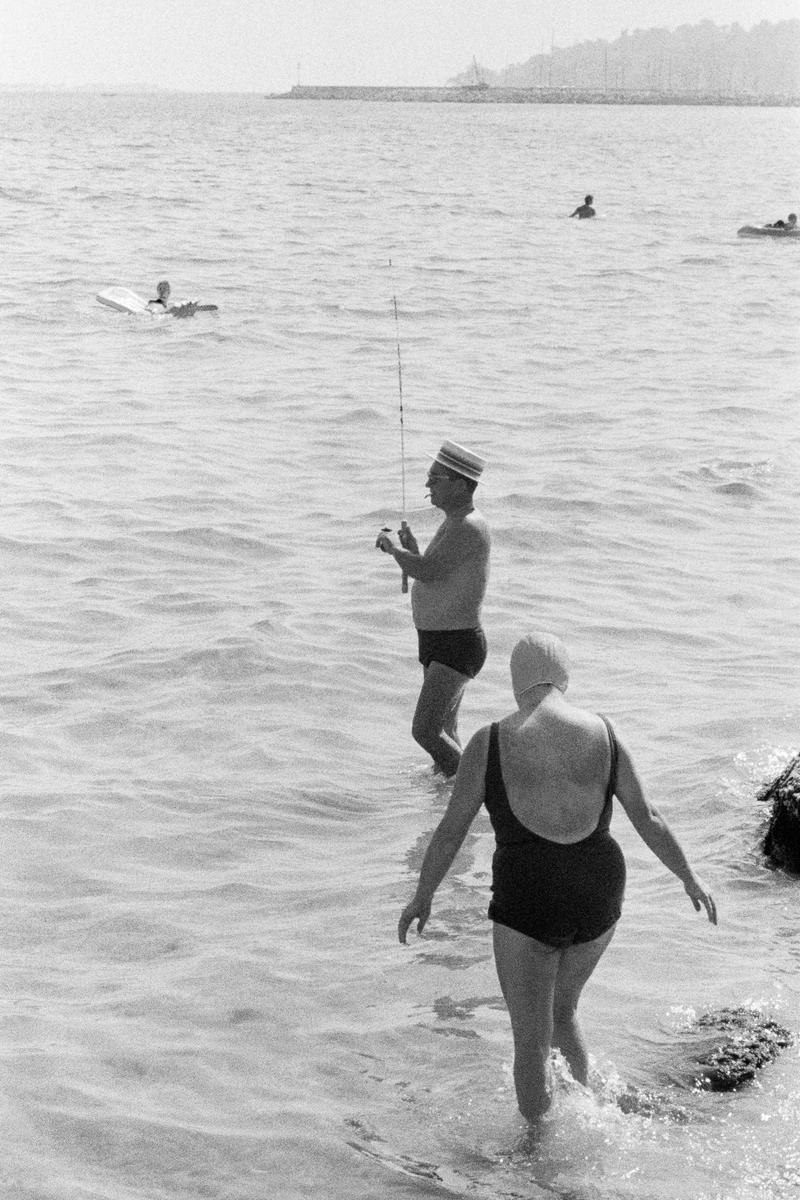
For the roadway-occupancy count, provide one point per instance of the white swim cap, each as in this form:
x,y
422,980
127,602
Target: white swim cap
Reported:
x,y
539,658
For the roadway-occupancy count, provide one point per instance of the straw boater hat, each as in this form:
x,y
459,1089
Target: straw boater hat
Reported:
x,y
457,459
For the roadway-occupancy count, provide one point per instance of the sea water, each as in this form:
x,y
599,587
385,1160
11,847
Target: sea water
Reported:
x,y
212,807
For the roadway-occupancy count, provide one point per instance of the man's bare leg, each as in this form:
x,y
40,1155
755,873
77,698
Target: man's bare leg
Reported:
x,y
451,719
436,716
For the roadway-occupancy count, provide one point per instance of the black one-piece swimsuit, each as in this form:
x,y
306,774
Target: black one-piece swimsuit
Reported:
x,y
558,893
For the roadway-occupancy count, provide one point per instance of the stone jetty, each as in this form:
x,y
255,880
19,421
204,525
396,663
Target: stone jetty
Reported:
x,y
481,93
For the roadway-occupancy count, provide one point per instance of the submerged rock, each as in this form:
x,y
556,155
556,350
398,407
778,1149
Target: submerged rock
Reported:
x,y
781,841
749,1041
647,1103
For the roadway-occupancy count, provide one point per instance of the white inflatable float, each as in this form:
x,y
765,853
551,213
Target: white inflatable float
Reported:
x,y
751,231
124,300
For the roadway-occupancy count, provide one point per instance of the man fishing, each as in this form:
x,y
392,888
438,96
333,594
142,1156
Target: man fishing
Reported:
x,y
446,597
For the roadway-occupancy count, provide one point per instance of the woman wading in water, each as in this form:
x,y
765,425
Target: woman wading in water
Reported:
x,y
547,774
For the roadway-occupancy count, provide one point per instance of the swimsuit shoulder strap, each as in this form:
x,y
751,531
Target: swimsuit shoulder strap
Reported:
x,y
494,789
612,775
507,827
493,755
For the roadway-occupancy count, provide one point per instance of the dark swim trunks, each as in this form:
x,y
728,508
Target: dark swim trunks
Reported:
x,y
462,649
559,894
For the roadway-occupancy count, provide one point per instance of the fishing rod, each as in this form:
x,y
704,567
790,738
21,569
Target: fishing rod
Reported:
x,y
404,585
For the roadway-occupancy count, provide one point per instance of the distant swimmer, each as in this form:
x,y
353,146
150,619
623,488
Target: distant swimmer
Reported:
x,y
789,223
162,295
446,597
547,774
584,210
187,309
162,301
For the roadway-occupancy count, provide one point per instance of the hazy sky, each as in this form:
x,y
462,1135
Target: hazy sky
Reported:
x,y
267,45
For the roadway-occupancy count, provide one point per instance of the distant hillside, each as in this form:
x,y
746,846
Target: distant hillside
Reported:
x,y
694,58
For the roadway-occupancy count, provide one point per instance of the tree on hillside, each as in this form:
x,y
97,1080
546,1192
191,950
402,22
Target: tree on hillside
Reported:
x,y
692,58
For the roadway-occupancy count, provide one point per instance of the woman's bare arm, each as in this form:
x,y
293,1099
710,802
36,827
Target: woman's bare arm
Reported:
x,y
467,797
656,833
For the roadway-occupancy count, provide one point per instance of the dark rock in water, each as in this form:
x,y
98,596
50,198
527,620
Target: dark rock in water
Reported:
x,y
782,839
646,1103
749,1041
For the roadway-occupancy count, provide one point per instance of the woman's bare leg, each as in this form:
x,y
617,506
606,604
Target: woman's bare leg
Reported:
x,y
527,972
576,965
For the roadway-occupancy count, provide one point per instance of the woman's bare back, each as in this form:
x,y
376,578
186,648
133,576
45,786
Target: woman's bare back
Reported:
x,y
555,762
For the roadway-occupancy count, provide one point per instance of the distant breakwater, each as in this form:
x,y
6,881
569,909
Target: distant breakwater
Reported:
x,y
478,94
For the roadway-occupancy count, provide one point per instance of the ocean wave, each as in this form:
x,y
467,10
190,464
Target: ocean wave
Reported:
x,y
738,488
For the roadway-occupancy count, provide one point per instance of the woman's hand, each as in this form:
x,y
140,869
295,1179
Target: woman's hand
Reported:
x,y
416,910
700,896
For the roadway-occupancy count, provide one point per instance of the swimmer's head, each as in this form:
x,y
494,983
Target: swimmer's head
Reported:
x,y
539,658
163,289
792,218
588,199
